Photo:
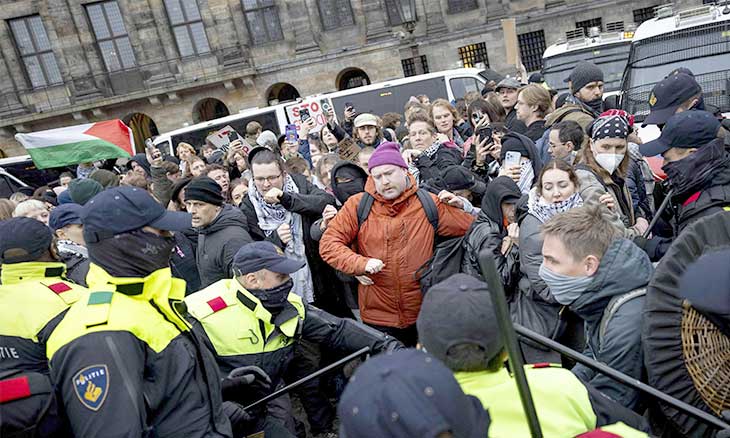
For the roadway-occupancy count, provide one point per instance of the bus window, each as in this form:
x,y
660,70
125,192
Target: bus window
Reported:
x,y
461,86
390,99
197,138
7,186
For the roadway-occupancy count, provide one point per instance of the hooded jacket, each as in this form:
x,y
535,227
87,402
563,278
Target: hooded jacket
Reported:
x,y
218,242
488,231
398,233
343,191
623,268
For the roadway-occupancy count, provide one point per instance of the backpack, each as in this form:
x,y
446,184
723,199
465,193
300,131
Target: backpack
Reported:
x,y
613,306
447,252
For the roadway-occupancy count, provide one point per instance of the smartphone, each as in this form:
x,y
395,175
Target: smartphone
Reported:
x,y
304,114
476,116
511,159
485,132
290,134
232,136
349,106
151,148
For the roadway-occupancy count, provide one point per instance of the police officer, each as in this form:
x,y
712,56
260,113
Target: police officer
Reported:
x,y
256,319
457,325
34,295
124,359
698,171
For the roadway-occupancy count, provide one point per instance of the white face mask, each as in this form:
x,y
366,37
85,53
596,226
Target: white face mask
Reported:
x,y
609,161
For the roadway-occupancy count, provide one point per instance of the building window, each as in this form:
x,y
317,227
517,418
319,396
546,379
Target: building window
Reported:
x,y
456,6
35,51
187,26
262,18
532,46
335,13
473,54
587,24
410,65
643,14
111,35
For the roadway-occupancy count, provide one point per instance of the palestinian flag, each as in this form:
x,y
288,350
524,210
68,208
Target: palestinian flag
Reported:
x,y
78,144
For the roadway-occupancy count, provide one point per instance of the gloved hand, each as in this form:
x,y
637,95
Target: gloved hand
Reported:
x,y
245,385
242,423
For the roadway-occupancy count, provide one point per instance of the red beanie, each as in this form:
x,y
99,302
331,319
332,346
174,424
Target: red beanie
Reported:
x,y
387,153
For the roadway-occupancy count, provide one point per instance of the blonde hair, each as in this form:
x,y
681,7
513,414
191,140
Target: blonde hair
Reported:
x,y
584,231
6,209
183,145
26,207
535,95
445,104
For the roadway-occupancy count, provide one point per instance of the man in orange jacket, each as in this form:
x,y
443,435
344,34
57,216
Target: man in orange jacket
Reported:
x,y
391,245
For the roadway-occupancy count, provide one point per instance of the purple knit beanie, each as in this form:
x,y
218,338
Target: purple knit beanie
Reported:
x,y
387,153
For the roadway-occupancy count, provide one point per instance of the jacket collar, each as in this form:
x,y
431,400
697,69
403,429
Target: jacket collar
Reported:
x,y
407,193
248,300
159,287
18,272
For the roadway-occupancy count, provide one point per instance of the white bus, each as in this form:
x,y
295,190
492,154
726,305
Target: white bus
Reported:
x,y
697,39
608,50
380,98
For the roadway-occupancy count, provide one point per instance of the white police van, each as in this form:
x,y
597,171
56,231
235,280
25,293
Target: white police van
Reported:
x,y
697,39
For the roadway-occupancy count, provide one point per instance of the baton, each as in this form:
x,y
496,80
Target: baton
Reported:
x,y
658,213
489,271
622,378
303,380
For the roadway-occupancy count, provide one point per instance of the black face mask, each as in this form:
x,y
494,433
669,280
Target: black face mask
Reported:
x,y
694,172
134,254
596,105
274,299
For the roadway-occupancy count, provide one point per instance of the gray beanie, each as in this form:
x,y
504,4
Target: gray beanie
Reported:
x,y
583,74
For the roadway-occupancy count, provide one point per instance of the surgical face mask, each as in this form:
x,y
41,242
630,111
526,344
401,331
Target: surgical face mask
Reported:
x,y
564,288
610,162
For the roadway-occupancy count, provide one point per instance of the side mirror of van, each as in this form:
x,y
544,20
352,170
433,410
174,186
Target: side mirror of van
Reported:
x,y
611,102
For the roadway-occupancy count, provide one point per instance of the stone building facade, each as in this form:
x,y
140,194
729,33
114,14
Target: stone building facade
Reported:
x,y
161,64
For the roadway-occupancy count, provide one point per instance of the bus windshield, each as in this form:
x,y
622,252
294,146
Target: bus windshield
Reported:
x,y
704,50
611,59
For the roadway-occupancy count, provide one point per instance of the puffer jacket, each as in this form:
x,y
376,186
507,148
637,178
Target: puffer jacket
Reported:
x,y
488,232
218,242
623,268
398,233
593,186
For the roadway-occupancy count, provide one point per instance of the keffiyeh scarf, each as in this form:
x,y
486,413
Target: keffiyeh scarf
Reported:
x,y
270,217
544,210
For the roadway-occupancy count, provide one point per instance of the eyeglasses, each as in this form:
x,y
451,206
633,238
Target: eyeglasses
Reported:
x,y
268,179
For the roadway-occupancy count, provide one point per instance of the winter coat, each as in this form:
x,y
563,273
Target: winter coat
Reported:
x,y
309,203
536,130
161,185
488,231
637,190
398,233
513,123
569,111
533,290
623,268
593,186
446,155
183,261
218,242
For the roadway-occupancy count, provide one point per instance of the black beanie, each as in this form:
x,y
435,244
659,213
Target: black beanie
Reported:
x,y
583,74
204,189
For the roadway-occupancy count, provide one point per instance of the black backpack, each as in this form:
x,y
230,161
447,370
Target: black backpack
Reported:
x,y
448,252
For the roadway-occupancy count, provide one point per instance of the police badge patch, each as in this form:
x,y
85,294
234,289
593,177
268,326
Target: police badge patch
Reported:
x,y
91,385
652,100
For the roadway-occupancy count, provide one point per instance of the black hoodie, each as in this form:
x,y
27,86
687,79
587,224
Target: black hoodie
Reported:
x,y
343,191
218,242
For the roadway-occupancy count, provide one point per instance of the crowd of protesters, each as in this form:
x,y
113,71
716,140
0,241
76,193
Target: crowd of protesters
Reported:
x,y
162,298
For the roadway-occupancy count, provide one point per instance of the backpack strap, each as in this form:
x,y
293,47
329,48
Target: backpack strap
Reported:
x,y
432,212
364,207
613,306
